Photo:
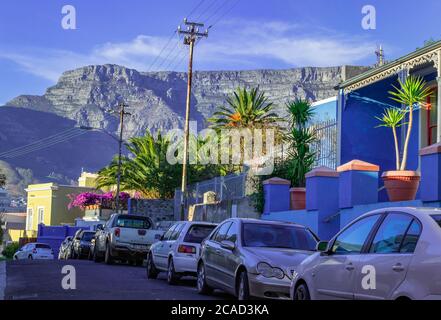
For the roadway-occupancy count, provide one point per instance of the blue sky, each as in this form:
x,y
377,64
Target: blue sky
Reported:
x,y
248,34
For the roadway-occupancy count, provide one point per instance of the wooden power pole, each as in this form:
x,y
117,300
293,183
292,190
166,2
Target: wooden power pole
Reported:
x,y
192,34
122,113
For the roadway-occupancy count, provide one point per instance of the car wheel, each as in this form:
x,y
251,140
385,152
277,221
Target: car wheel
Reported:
x,y
172,276
30,257
243,290
302,292
202,286
152,272
139,262
108,258
90,255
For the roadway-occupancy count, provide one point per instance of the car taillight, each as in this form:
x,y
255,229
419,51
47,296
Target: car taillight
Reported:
x,y
117,232
34,250
186,249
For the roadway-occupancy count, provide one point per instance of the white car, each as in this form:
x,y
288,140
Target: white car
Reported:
x,y
34,251
178,250
386,254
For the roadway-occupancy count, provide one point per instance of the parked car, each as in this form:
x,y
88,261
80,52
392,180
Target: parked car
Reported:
x,y
62,253
164,225
397,249
125,237
177,251
81,243
34,251
253,258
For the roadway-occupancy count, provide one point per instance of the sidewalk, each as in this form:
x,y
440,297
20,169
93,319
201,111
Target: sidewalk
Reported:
x,y
2,279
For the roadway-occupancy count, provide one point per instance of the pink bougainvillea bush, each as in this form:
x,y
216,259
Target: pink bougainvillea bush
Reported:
x,y
86,199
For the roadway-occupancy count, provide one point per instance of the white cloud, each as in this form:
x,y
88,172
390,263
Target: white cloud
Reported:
x,y
235,45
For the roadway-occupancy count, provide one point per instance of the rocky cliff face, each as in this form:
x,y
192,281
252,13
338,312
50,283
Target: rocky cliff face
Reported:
x,y
157,100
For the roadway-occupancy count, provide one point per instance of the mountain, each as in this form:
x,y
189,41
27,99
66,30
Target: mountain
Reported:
x,y
156,101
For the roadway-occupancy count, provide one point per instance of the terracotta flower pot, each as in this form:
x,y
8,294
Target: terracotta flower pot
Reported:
x,y
401,185
298,198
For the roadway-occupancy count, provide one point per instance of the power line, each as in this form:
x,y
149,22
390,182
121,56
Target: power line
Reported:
x,y
44,146
160,53
41,141
225,13
195,8
170,40
206,9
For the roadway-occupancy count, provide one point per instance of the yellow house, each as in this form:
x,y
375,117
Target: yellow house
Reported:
x,y
48,204
87,179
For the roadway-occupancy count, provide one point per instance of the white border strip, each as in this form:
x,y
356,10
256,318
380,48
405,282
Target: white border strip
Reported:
x,y
2,279
320,102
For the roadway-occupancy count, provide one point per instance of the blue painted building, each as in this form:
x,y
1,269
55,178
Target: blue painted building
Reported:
x,y
364,97
334,198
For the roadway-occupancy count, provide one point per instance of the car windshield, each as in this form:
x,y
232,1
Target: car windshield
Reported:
x,y
437,219
134,222
278,236
87,236
197,233
42,246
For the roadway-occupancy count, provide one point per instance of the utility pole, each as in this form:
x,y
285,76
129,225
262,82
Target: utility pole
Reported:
x,y
192,34
122,113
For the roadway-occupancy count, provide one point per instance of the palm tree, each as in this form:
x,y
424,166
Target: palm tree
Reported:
x,y
148,171
246,109
412,94
393,118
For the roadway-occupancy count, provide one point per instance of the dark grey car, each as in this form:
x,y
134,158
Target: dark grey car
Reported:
x,y
253,258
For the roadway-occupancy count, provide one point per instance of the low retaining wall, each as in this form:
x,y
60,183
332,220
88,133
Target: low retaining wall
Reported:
x,y
54,235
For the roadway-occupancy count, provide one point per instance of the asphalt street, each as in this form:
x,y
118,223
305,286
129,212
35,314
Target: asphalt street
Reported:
x,y
35,280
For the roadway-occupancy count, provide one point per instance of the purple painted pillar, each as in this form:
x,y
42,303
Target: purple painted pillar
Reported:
x,y
276,194
322,196
430,187
358,183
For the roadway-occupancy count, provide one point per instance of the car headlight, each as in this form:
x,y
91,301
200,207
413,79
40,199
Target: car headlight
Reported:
x,y
268,271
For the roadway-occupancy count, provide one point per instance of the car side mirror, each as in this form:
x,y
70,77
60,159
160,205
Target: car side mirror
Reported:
x,y
228,245
100,227
159,237
322,246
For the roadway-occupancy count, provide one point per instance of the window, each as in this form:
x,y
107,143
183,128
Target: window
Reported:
x,y
30,220
352,239
169,232
197,233
262,235
222,232
40,215
87,236
437,219
411,239
391,233
133,222
177,231
232,233
42,246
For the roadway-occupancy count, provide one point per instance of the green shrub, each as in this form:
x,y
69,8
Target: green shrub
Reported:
x,y
10,249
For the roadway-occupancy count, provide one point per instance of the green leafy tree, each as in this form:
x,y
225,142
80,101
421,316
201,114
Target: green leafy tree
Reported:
x,y
412,94
393,118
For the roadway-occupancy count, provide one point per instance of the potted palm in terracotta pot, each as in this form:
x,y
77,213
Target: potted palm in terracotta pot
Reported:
x,y
301,158
402,184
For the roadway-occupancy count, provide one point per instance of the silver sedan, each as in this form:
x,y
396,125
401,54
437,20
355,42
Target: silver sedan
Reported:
x,y
253,258
392,253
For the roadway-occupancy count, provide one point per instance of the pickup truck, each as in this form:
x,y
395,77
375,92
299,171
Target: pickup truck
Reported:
x,y
126,238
